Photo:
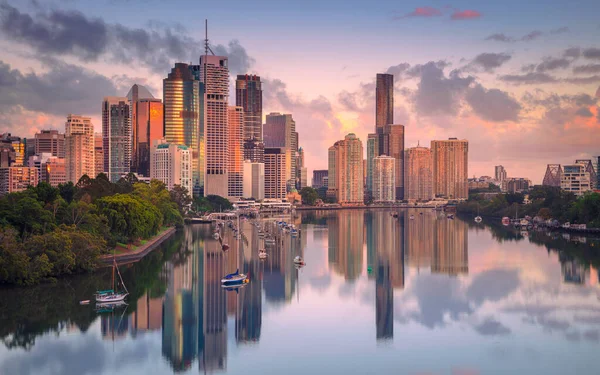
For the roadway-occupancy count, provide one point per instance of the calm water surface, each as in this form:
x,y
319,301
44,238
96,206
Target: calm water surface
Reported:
x,y
378,295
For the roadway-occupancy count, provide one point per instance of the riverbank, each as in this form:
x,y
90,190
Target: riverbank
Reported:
x,y
329,208
140,251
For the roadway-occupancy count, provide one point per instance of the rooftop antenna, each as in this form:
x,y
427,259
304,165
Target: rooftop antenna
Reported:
x,y
206,46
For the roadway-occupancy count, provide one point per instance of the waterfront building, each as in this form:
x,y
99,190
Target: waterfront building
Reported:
x,y
499,174
17,178
450,168
418,174
384,100
589,167
214,73
384,178
171,164
516,184
254,150
183,118
346,170
318,176
148,127
235,186
391,142
254,180
248,95
54,171
275,172
280,131
50,141
575,179
301,171
79,148
98,155
116,133
553,175
135,94
372,152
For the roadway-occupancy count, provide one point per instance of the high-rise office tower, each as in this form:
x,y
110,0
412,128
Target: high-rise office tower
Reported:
x,y
79,147
318,176
301,171
384,179
280,131
346,165
391,143
116,133
171,164
254,180
214,73
500,173
384,100
418,174
183,118
136,93
50,141
275,172
98,154
248,95
148,127
450,160
235,186
254,150
372,152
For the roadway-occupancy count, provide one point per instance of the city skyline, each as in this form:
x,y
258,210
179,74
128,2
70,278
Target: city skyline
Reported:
x,y
479,79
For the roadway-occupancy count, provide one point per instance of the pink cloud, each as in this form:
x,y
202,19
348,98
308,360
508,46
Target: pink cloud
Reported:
x,y
423,12
465,14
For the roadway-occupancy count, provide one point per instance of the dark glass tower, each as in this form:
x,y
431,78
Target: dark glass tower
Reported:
x,y
248,95
384,100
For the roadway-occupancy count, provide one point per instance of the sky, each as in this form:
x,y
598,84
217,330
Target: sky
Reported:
x,y
519,80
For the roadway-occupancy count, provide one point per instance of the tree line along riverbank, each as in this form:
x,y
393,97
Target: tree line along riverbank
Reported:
x,y
48,232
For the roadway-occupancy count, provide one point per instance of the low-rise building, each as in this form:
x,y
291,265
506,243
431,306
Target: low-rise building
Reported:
x,y
171,164
575,179
18,178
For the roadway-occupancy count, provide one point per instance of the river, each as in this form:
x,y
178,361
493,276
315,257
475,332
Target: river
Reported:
x,y
378,294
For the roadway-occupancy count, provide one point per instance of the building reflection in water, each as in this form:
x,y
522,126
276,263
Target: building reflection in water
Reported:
x,y
278,272
346,242
450,247
572,271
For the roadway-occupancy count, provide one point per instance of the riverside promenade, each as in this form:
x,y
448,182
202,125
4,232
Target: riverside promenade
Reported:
x,y
140,251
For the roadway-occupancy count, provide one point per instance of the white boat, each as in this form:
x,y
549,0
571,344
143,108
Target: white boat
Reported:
x,y
299,261
505,221
112,295
269,241
478,219
234,278
262,254
216,235
411,217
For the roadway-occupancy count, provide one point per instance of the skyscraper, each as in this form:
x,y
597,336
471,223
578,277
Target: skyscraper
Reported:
x,y
450,168
98,155
384,178
301,171
235,186
318,176
214,73
384,100
50,141
280,131
148,127
116,133
254,180
171,164
275,172
372,152
254,150
347,165
391,143
500,174
248,95
183,118
136,93
418,174
79,147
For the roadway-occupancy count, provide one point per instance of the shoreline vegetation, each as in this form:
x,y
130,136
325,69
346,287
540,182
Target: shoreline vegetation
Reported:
x,y
48,232
545,202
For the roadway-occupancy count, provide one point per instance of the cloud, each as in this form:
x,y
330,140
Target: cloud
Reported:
x,y
398,70
583,80
560,30
550,63
574,52
592,53
587,69
491,61
501,37
491,327
531,36
71,33
493,104
528,79
493,285
422,12
465,15
348,100
584,112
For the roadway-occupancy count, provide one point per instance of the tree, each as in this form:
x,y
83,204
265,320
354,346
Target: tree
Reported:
x,y
181,197
14,262
544,213
309,195
67,191
56,246
130,217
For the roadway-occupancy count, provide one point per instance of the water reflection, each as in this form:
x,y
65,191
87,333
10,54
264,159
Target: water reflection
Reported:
x,y
368,276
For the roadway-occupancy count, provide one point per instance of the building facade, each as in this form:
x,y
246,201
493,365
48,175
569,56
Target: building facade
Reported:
x,y
384,100
54,171
347,169
516,184
98,154
235,185
171,164
280,131
450,168
318,176
148,126
79,148
418,174
254,150
248,95
275,172
184,116
254,180
116,134
500,174
214,73
50,141
384,179
575,179
17,178
589,167
391,143
372,153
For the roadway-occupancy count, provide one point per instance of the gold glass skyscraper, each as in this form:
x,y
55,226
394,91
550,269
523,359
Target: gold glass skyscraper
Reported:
x,y
450,168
